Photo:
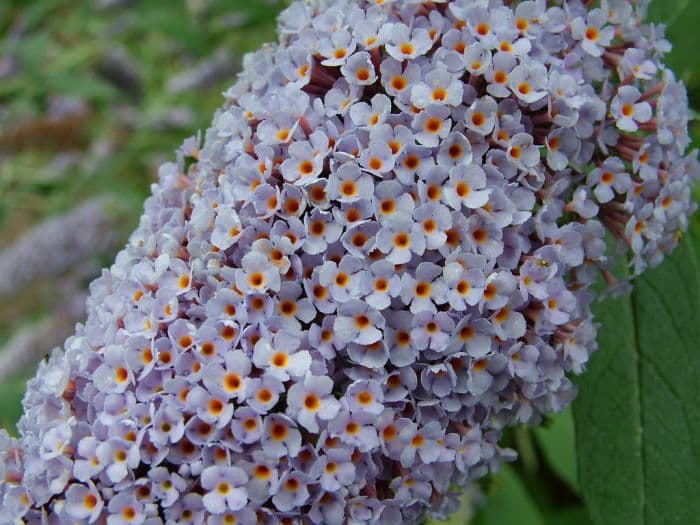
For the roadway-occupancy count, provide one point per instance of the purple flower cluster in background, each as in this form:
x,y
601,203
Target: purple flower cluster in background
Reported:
x,y
381,256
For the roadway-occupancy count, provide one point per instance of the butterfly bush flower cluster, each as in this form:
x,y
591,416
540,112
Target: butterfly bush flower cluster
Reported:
x,y
380,256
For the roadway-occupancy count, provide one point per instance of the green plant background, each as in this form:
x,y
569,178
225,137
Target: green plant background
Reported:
x,y
628,452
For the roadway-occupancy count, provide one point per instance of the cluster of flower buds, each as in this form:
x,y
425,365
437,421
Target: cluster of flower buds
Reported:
x,y
381,256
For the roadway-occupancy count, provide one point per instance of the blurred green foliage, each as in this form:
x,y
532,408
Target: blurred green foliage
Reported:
x,y
113,61
94,95
11,393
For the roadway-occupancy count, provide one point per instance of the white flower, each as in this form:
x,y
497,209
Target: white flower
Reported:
x,y
627,111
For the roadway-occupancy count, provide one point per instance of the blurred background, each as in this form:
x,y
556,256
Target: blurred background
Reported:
x,y
94,95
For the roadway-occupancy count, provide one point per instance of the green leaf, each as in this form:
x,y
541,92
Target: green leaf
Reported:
x,y
509,503
573,516
695,232
557,441
638,412
680,17
667,11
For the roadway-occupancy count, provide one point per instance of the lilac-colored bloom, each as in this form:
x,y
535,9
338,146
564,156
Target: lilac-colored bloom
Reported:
x,y
280,436
84,502
118,456
379,256
438,87
281,357
422,441
125,509
610,178
627,111
358,322
592,32
292,492
406,44
527,81
425,290
311,401
225,488
466,187
358,70
335,469
432,331
355,429
431,125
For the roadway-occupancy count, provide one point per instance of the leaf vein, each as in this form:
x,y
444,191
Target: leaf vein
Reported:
x,y
665,306
638,362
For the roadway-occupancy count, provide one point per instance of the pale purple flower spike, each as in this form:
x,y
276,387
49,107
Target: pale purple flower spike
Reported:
x,y
380,257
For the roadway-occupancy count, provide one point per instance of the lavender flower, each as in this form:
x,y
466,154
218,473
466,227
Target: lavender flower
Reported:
x,y
380,257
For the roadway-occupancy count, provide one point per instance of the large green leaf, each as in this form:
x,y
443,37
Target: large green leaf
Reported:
x,y
638,412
